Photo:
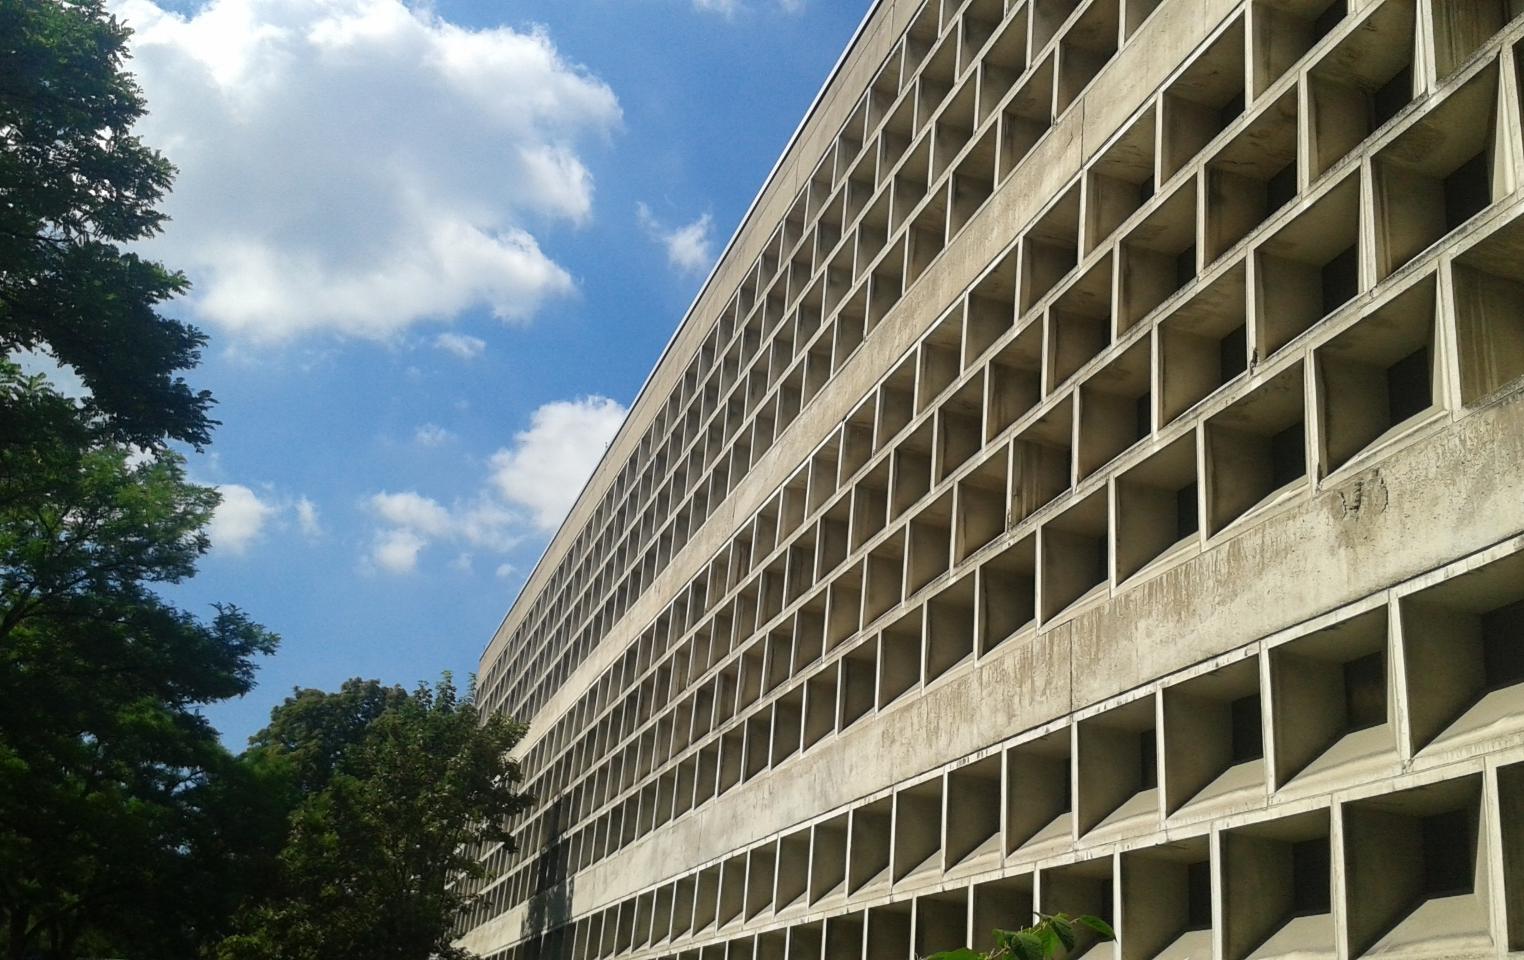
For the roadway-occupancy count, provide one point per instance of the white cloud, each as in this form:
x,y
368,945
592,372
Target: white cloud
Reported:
x,y
506,570
690,247
307,519
462,345
239,519
411,522
361,166
550,462
528,490
396,551
432,435
729,8
413,511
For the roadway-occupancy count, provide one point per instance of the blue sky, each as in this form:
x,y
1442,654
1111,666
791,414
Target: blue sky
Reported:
x,y
437,248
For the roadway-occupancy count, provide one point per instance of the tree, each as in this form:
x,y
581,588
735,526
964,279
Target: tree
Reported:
x,y
75,184
393,792
108,770
1050,936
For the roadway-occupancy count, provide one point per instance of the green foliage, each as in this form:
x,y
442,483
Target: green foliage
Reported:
x,y
76,184
1046,938
106,765
391,792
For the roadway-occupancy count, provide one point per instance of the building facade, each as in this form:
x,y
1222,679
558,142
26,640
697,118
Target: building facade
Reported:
x,y
1092,480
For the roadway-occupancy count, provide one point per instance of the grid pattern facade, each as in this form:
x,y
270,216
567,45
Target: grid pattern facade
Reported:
x,y
1089,482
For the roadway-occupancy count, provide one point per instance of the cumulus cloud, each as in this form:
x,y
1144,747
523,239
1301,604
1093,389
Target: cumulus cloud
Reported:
x,y
307,519
360,166
413,511
549,463
239,519
396,550
461,345
529,487
411,522
689,247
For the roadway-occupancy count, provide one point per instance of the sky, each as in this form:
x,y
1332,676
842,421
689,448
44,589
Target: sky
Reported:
x,y
437,248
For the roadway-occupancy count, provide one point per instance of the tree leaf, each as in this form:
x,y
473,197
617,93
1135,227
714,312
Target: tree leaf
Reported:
x,y
1101,927
1044,932
1028,946
963,954
1064,930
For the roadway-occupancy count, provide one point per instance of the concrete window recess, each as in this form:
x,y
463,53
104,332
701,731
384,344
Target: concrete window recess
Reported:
x,y
859,678
1416,874
1039,794
788,724
1088,44
911,468
828,861
1121,180
1075,555
1166,900
888,933
1380,376
1310,267
1007,594
1004,904
1252,177
1080,322
1331,701
1117,768
1214,740
1041,460
941,921
974,803
869,847
899,658
950,628
1489,308
1157,508
1285,30
1463,657
1256,450
1362,82
917,830
991,309
896,404
930,533
1441,171
1277,880
1050,249
981,504
1087,887
1206,97
820,707
1005,58
1115,408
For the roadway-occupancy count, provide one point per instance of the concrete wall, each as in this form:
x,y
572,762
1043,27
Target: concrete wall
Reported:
x,y
1126,522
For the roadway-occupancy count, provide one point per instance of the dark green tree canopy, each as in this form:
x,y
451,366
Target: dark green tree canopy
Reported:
x,y
393,791
75,184
106,763
126,828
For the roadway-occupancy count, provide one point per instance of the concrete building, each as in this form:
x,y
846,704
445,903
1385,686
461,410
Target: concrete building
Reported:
x,y
1091,480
